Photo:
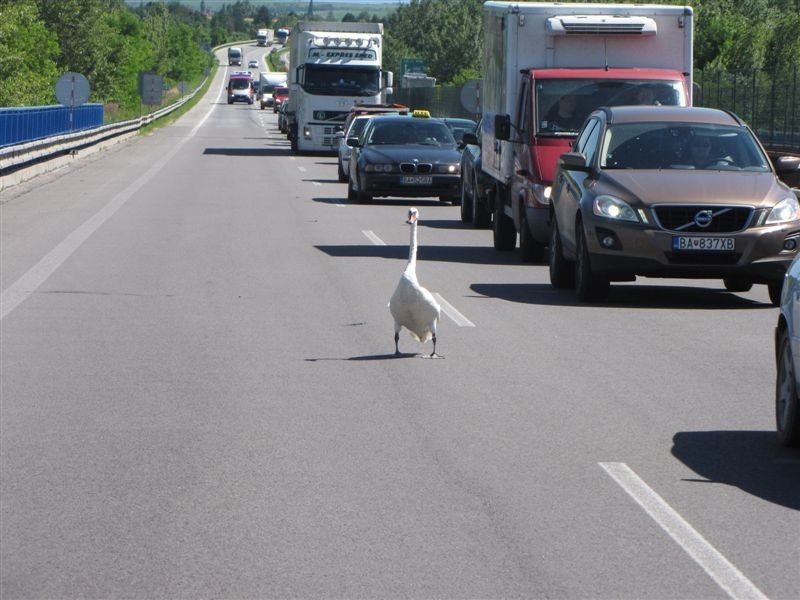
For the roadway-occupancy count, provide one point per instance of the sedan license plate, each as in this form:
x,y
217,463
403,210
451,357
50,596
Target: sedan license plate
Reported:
x,y
703,244
416,180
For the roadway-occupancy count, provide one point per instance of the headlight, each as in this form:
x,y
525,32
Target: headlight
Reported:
x,y
448,169
613,208
379,168
785,210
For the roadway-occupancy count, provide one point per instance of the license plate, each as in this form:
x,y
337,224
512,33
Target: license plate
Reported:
x,y
416,180
703,244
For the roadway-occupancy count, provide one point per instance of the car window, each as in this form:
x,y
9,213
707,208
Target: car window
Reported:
x,y
688,146
587,140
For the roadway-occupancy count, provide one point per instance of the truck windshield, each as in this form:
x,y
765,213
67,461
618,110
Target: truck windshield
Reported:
x,y
562,105
341,81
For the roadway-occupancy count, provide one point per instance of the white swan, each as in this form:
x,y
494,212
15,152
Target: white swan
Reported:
x,y
411,305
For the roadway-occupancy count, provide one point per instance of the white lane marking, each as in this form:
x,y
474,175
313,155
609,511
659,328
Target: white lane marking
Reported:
x,y
447,308
28,283
301,169
727,576
373,238
451,312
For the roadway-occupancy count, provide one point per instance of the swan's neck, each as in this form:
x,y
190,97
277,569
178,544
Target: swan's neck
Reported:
x,y
411,269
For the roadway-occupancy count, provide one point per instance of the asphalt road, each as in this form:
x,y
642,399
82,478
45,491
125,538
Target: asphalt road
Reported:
x,y
200,399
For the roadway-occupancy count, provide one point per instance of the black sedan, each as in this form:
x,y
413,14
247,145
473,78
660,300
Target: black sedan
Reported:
x,y
407,156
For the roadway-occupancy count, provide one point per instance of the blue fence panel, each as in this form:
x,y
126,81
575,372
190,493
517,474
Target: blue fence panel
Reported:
x,y
19,125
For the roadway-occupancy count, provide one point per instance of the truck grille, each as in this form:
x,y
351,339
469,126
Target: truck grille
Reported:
x,y
693,218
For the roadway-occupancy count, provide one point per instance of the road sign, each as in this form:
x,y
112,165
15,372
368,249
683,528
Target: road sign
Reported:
x,y
72,89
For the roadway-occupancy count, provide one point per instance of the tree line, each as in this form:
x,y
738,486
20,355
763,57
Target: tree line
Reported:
x,y
111,42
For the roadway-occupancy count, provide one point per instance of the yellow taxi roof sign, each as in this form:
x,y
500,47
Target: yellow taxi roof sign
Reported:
x,y
421,114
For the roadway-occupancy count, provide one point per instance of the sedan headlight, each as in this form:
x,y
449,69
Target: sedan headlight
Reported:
x,y
613,208
448,169
785,210
379,168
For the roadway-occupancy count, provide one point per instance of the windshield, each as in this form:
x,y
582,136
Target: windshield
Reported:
x,y
240,84
341,81
681,146
410,131
563,104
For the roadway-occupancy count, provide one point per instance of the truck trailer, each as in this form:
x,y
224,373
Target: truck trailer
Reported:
x,y
546,67
332,66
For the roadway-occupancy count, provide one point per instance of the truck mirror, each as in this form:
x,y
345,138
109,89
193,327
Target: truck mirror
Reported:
x,y
502,127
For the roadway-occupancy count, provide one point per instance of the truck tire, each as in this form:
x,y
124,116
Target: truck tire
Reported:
x,y
588,286
505,236
531,250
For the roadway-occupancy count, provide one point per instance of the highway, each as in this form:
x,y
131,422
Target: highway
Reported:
x,y
200,398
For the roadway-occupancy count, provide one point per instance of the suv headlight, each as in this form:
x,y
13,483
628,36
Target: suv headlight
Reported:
x,y
613,208
785,210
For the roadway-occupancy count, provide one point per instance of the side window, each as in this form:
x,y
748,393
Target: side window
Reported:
x,y
587,142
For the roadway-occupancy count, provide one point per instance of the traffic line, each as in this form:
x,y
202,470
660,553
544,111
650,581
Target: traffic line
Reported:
x,y
25,286
451,312
722,571
447,308
373,238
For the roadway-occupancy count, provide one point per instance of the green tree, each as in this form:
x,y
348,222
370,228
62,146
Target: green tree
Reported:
x,y
28,55
447,34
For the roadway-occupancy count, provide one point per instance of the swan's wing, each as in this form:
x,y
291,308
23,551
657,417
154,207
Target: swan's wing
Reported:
x,y
414,308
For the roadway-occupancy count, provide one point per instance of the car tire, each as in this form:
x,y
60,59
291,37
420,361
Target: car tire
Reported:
x,y
733,284
481,217
504,234
466,203
787,404
562,271
588,286
775,288
352,195
531,250
342,175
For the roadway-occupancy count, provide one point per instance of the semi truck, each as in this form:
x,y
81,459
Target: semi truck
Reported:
x,y
264,37
234,56
282,35
332,66
546,67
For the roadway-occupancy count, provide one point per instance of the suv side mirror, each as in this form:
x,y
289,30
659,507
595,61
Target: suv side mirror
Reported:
x,y
574,161
469,138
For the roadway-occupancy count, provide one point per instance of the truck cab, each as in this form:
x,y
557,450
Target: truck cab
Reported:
x,y
551,108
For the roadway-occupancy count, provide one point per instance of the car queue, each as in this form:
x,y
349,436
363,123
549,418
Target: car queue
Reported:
x,y
653,191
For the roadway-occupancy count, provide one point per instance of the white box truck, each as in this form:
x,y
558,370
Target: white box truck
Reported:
x,y
546,67
234,56
264,37
332,66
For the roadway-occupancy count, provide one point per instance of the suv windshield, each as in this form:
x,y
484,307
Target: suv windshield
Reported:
x,y
681,146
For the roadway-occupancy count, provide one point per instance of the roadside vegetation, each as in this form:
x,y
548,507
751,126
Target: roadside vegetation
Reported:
x,y
111,42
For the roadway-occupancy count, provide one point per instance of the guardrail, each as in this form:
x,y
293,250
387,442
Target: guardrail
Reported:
x,y
17,161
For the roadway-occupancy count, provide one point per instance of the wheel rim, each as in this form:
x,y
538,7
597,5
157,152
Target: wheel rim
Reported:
x,y
785,391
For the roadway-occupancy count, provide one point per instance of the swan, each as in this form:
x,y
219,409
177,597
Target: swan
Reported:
x,y
412,306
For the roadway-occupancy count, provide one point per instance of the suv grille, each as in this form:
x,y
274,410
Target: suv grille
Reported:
x,y
694,218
